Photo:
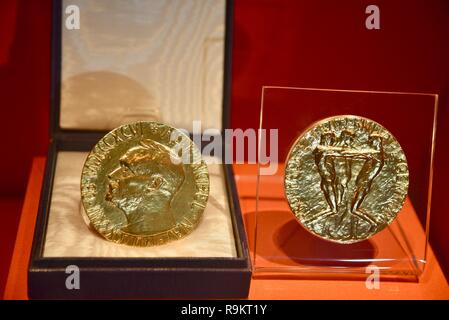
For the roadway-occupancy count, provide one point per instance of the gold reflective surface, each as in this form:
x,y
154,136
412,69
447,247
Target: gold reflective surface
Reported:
x,y
346,178
136,190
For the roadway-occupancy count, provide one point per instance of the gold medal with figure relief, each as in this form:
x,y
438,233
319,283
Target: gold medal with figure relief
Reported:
x,y
346,178
137,188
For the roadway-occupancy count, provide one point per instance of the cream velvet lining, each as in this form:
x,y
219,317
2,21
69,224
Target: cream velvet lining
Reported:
x,y
69,236
143,60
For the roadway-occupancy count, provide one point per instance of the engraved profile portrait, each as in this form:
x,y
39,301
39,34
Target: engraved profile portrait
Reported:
x,y
143,186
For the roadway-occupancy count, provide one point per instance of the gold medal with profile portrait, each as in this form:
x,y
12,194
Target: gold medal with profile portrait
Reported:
x,y
137,188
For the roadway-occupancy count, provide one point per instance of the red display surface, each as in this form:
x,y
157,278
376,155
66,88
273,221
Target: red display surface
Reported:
x,y
431,285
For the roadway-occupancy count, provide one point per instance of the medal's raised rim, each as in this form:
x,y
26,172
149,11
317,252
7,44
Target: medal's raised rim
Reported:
x,y
302,134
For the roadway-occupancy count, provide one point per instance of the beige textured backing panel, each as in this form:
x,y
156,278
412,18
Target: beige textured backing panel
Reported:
x,y
69,236
143,60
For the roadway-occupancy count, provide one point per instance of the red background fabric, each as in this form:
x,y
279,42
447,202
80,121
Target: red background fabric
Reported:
x,y
322,44
24,88
24,102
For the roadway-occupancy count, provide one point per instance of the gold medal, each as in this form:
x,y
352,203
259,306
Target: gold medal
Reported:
x,y
136,189
346,178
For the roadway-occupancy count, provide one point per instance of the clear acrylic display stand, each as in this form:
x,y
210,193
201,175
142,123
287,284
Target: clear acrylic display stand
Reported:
x,y
283,247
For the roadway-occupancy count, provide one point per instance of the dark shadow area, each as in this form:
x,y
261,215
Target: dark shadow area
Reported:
x,y
291,240
305,248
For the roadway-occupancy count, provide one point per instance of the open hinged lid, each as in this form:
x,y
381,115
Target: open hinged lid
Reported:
x,y
167,61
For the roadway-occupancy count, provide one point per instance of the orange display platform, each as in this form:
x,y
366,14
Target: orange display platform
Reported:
x,y
432,283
